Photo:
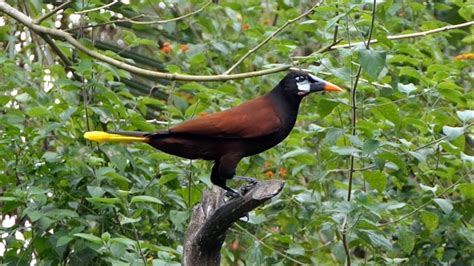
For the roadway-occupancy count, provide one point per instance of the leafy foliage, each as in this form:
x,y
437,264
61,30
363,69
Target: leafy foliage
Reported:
x,y
77,202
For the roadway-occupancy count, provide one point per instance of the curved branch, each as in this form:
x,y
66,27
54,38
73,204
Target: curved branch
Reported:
x,y
54,11
393,37
271,36
133,21
27,21
97,8
211,219
411,35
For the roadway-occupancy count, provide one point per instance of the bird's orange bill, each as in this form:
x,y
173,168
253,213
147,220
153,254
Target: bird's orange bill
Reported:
x,y
331,87
101,136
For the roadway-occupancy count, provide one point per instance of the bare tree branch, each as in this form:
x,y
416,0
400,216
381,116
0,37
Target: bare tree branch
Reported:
x,y
395,37
97,8
133,21
25,20
54,11
271,36
412,35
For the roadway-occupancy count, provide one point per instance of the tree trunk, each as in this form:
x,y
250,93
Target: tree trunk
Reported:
x,y
212,218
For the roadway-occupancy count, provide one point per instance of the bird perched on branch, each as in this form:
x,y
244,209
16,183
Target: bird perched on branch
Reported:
x,y
228,136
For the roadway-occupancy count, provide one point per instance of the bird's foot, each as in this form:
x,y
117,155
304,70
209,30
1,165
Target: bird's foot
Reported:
x,y
246,188
230,193
250,180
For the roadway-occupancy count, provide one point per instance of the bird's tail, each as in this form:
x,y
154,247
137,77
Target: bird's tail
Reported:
x,y
117,136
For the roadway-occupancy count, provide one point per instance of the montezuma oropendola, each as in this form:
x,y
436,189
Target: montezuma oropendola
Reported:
x,y
228,136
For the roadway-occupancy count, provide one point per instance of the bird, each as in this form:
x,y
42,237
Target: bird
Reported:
x,y
228,136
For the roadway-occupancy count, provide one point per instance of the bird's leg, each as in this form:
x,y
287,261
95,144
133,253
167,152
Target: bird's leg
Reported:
x,y
221,182
226,170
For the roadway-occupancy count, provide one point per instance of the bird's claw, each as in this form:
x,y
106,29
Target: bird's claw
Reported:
x,y
246,188
250,180
232,194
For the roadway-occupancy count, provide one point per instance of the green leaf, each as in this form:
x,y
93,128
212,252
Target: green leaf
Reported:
x,y
453,132
387,110
465,115
376,179
296,250
37,111
379,240
410,72
467,190
103,200
126,220
467,158
254,254
144,198
64,240
326,106
370,146
406,88
444,204
430,220
406,240
89,237
372,62
345,150
394,158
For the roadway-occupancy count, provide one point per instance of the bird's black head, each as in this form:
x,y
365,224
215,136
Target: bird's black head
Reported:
x,y
300,84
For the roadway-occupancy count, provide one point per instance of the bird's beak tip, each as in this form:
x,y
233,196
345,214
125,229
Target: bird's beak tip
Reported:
x,y
333,88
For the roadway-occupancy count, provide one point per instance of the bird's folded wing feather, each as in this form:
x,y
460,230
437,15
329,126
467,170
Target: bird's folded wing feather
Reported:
x,y
252,119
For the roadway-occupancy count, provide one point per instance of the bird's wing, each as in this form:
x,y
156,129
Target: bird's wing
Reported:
x,y
255,118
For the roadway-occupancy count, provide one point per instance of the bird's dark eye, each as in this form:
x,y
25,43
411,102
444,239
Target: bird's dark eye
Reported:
x,y
300,78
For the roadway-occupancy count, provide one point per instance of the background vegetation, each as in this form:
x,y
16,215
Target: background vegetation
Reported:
x,y
390,183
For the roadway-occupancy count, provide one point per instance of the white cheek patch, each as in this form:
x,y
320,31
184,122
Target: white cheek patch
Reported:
x,y
304,86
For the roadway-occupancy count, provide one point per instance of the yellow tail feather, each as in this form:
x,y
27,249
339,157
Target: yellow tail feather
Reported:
x,y
101,136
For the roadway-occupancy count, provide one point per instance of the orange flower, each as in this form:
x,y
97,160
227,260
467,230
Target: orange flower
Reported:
x,y
283,172
464,57
267,164
184,48
270,174
166,48
245,26
234,245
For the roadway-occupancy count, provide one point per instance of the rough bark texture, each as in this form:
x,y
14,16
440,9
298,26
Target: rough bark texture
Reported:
x,y
212,217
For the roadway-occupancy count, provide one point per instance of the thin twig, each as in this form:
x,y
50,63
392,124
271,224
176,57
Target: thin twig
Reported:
x,y
25,20
420,207
97,8
271,36
353,131
440,139
411,35
54,11
353,101
370,105
268,246
132,21
344,243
